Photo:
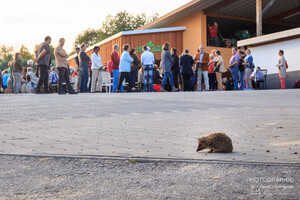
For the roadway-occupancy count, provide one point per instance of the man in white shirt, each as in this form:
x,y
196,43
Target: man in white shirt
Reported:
x,y
97,71
148,61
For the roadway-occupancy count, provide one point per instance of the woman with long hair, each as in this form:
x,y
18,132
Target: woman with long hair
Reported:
x,y
17,73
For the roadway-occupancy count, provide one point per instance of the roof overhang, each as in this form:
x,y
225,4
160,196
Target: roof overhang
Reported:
x,y
281,12
270,37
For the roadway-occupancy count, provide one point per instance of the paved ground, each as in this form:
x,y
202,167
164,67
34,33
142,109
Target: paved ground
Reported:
x,y
73,178
78,147
264,125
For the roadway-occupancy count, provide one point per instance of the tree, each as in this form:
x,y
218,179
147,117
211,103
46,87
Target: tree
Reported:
x,y
25,54
6,53
122,21
88,37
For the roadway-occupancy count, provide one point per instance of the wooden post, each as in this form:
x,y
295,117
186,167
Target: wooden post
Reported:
x,y
258,18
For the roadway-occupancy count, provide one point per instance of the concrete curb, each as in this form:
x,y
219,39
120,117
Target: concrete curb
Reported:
x,y
150,159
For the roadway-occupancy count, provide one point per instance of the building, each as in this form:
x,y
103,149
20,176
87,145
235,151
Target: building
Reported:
x,y
265,51
217,24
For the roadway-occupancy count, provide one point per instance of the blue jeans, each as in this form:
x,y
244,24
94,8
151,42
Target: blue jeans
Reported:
x,y
116,75
166,76
148,71
84,78
242,81
235,76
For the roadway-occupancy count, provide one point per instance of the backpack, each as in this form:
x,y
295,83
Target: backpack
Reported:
x,y
286,64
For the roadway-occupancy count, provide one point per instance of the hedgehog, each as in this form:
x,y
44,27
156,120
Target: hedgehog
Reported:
x,y
216,142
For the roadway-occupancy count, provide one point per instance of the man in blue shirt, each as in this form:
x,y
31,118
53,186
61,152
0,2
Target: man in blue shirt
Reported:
x,y
234,66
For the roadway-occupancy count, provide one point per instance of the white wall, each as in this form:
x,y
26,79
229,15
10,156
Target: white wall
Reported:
x,y
266,56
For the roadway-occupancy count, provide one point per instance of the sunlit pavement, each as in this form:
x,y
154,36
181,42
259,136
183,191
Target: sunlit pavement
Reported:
x,y
264,125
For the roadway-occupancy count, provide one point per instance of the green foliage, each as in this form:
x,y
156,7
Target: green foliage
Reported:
x,y
122,21
6,53
25,54
88,37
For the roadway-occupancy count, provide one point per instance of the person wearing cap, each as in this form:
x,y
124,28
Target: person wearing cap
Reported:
x,y
186,71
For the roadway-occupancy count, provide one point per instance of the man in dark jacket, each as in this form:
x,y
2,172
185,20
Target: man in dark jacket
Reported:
x,y
84,68
186,63
175,68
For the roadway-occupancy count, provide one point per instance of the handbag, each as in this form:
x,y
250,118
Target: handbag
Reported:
x,y
216,67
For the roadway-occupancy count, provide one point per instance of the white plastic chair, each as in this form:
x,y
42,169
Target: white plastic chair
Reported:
x,y
106,81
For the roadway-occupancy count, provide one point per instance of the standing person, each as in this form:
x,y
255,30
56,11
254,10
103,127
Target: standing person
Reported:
x,y
134,66
282,68
84,69
211,73
241,70
248,63
125,67
148,61
202,59
175,68
219,69
42,61
17,73
115,67
97,71
186,63
61,57
77,69
166,61
234,67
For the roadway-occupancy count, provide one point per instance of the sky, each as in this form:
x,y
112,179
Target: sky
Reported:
x,y
29,21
